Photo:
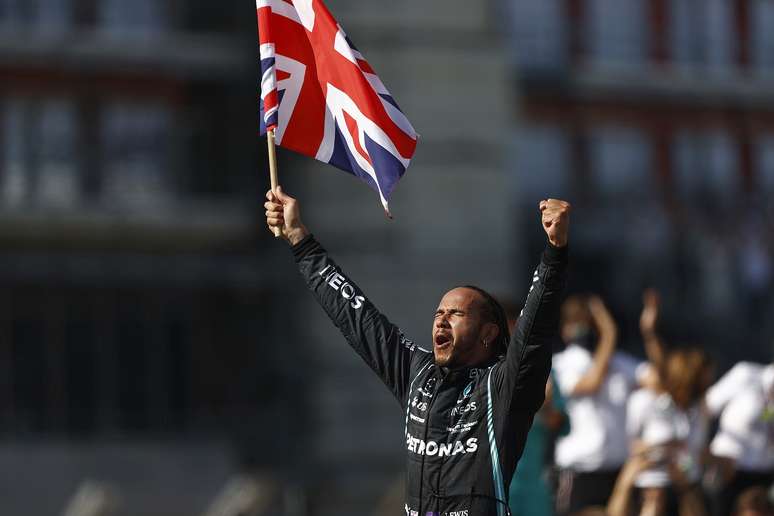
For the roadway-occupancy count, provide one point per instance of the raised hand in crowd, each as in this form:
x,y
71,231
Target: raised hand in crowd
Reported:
x,y
651,308
607,332
689,496
621,500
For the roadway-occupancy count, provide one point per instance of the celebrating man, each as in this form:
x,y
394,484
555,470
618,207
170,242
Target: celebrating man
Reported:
x,y
470,402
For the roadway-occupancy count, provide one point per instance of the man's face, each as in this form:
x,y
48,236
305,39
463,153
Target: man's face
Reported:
x,y
459,328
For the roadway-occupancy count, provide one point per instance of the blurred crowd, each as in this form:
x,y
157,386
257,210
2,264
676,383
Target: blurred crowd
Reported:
x,y
714,269
620,436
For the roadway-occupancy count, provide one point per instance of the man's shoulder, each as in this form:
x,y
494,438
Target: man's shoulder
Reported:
x,y
421,360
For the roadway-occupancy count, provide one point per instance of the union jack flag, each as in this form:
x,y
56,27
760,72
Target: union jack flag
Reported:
x,y
323,99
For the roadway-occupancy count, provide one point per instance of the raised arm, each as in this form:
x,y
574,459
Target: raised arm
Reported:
x,y
379,343
608,334
654,347
524,372
620,502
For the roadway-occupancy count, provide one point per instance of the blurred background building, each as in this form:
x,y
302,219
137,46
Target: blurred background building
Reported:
x,y
657,119
156,342
140,342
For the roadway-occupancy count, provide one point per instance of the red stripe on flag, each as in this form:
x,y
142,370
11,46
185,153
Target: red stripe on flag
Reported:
x,y
365,66
337,70
264,26
312,64
270,100
305,130
355,132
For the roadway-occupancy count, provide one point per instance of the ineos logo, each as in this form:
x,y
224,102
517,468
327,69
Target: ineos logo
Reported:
x,y
338,282
462,409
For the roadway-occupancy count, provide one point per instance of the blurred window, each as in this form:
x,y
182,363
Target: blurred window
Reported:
x,y
16,12
39,152
136,17
538,32
719,34
135,145
14,172
762,13
81,372
43,14
130,360
541,158
28,355
620,160
686,34
765,162
706,163
133,341
616,30
56,133
702,33
54,14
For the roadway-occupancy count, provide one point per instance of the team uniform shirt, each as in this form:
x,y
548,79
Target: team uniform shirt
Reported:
x,y
654,419
597,440
465,428
744,399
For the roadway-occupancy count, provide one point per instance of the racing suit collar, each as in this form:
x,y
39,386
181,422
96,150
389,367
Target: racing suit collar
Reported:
x,y
449,374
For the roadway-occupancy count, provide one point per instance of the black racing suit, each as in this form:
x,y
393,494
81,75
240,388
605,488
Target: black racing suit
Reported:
x,y
465,429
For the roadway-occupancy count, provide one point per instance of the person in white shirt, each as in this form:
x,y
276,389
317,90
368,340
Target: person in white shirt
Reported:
x,y
668,418
672,424
596,382
744,400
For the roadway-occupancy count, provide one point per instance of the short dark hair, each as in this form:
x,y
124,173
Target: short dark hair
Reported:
x,y
494,312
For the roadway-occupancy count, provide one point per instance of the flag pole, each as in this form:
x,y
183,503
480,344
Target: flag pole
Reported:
x,y
273,170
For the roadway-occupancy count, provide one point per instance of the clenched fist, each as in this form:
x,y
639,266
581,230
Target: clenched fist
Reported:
x,y
283,213
556,220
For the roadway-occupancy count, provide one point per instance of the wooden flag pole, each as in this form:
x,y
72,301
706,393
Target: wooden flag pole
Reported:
x,y
273,169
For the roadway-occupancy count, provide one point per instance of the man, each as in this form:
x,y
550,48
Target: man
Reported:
x,y
469,404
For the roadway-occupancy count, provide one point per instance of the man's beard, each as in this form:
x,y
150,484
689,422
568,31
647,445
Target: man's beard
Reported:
x,y
445,358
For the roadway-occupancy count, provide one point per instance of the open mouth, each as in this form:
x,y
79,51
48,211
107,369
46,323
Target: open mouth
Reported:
x,y
442,340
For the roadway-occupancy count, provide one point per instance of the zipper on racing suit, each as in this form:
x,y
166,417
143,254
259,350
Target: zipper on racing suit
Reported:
x,y
437,374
